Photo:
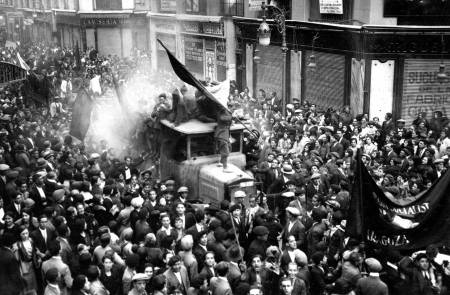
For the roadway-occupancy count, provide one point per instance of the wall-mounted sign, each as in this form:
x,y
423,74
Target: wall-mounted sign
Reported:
x,y
168,5
331,7
255,5
104,21
215,29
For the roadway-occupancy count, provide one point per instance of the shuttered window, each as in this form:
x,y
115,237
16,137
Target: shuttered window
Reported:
x,y
325,86
421,90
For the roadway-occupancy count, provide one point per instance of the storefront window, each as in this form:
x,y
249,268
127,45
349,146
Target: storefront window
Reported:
x,y
168,5
324,86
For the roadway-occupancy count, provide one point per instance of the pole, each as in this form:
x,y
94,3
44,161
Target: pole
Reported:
x,y
284,51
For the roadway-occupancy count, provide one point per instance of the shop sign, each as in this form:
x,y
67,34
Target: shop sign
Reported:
x,y
11,73
168,5
215,29
193,49
221,55
104,21
165,26
422,92
331,7
255,5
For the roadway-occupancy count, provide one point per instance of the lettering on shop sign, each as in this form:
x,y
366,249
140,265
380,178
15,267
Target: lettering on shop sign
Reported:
x,y
422,93
215,29
103,21
193,49
165,26
11,73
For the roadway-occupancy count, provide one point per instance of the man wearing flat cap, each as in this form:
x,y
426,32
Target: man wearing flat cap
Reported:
x,y
371,285
294,227
139,284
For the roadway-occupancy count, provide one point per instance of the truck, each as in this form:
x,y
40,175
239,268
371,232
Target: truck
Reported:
x,y
188,156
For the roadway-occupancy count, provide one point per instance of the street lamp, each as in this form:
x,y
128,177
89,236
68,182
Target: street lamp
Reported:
x,y
264,40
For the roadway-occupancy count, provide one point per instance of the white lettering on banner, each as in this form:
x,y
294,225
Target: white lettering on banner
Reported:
x,y
331,7
395,240
407,211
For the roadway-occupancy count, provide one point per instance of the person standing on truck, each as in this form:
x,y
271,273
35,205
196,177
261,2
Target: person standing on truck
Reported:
x,y
222,137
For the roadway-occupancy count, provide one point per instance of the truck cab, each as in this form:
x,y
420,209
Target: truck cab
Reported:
x,y
188,155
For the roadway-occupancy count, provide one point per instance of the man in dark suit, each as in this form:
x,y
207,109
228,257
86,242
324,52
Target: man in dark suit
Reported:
x,y
390,154
187,218
315,186
42,235
342,140
3,169
176,275
421,276
336,146
279,184
11,282
219,285
16,206
199,225
371,285
294,228
200,248
37,193
317,283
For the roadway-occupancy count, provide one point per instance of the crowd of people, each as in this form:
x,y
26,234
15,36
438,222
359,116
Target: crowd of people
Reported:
x,y
76,219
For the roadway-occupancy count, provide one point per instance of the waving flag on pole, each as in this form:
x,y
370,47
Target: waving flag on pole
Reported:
x,y
188,78
22,63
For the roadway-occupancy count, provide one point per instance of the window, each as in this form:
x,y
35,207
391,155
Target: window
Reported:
x,y
108,4
233,7
195,6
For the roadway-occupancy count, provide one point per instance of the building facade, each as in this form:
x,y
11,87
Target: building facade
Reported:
x,y
114,27
376,56
201,33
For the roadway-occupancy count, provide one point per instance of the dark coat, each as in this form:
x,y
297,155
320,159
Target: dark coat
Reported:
x,y
10,278
298,231
39,241
317,283
371,286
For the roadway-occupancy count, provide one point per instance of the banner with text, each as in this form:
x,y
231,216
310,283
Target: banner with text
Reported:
x,y
406,224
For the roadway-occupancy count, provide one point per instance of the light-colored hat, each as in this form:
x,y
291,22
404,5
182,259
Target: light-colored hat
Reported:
x,y
315,176
373,264
140,277
288,194
4,167
183,189
287,169
294,211
239,194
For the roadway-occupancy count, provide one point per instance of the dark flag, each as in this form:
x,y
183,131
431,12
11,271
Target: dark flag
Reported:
x,y
77,57
81,114
188,78
404,223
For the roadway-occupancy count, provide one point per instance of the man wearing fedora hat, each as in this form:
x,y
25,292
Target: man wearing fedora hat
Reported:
x,y
279,185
